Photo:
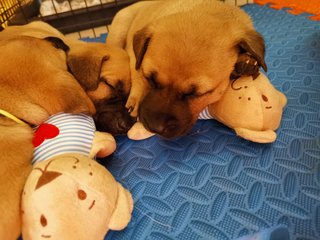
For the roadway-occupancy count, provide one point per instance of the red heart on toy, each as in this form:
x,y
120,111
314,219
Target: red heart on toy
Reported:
x,y
43,132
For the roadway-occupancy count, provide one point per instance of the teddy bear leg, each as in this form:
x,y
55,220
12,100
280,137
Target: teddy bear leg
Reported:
x,y
266,136
103,145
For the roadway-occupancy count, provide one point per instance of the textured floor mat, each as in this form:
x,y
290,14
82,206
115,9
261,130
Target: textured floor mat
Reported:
x,y
295,6
211,184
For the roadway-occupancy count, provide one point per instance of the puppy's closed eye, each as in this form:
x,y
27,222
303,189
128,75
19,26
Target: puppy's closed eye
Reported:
x,y
192,92
117,88
104,80
152,80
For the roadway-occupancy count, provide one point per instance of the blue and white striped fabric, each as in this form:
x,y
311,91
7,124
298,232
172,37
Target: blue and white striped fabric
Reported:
x,y
76,133
205,114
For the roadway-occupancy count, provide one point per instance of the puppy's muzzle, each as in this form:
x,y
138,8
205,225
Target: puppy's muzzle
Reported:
x,y
161,123
163,113
113,117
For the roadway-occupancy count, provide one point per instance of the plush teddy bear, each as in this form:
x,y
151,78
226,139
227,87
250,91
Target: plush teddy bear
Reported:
x,y
252,107
68,195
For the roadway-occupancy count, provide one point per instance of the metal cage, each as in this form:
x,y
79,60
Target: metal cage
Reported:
x,y
68,16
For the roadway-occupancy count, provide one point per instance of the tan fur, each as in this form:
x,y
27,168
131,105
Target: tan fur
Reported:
x,y
102,71
35,84
89,62
35,81
16,148
188,44
99,68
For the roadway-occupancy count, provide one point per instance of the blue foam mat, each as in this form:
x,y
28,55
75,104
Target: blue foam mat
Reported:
x,y
212,184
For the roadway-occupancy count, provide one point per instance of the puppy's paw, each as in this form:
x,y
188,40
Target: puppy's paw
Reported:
x,y
132,105
246,65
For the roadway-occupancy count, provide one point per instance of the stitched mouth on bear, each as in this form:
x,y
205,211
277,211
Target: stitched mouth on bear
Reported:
x,y
46,236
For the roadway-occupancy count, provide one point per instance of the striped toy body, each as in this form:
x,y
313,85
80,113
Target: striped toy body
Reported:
x,y
63,133
205,114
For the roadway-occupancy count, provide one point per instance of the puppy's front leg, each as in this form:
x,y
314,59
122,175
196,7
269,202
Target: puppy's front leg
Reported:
x,y
121,24
139,88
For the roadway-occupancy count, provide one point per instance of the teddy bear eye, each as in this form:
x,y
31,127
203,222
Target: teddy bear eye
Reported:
x,y
82,195
43,221
264,98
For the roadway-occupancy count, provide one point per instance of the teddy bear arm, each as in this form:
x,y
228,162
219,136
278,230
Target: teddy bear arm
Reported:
x,y
266,136
122,212
138,132
103,145
283,99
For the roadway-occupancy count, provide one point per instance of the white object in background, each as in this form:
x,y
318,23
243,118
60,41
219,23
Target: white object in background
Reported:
x,y
50,7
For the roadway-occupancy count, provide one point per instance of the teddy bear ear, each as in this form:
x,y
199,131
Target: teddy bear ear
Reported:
x,y
122,214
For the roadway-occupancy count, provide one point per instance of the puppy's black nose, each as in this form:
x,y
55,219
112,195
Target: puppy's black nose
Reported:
x,y
164,125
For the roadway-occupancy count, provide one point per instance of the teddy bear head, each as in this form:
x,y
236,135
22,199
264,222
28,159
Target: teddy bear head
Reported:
x,y
253,107
73,197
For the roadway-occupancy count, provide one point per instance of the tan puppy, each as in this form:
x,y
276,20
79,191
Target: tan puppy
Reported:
x,y
37,77
16,153
102,71
182,53
35,84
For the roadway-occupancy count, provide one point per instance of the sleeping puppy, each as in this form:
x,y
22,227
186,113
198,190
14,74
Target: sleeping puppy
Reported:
x,y
35,83
103,72
182,56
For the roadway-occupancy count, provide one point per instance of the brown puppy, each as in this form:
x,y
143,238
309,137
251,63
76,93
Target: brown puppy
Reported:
x,y
35,84
102,71
105,75
182,53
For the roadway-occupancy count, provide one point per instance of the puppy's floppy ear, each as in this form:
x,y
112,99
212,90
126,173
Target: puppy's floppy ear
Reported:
x,y
86,67
58,43
73,98
253,43
140,43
